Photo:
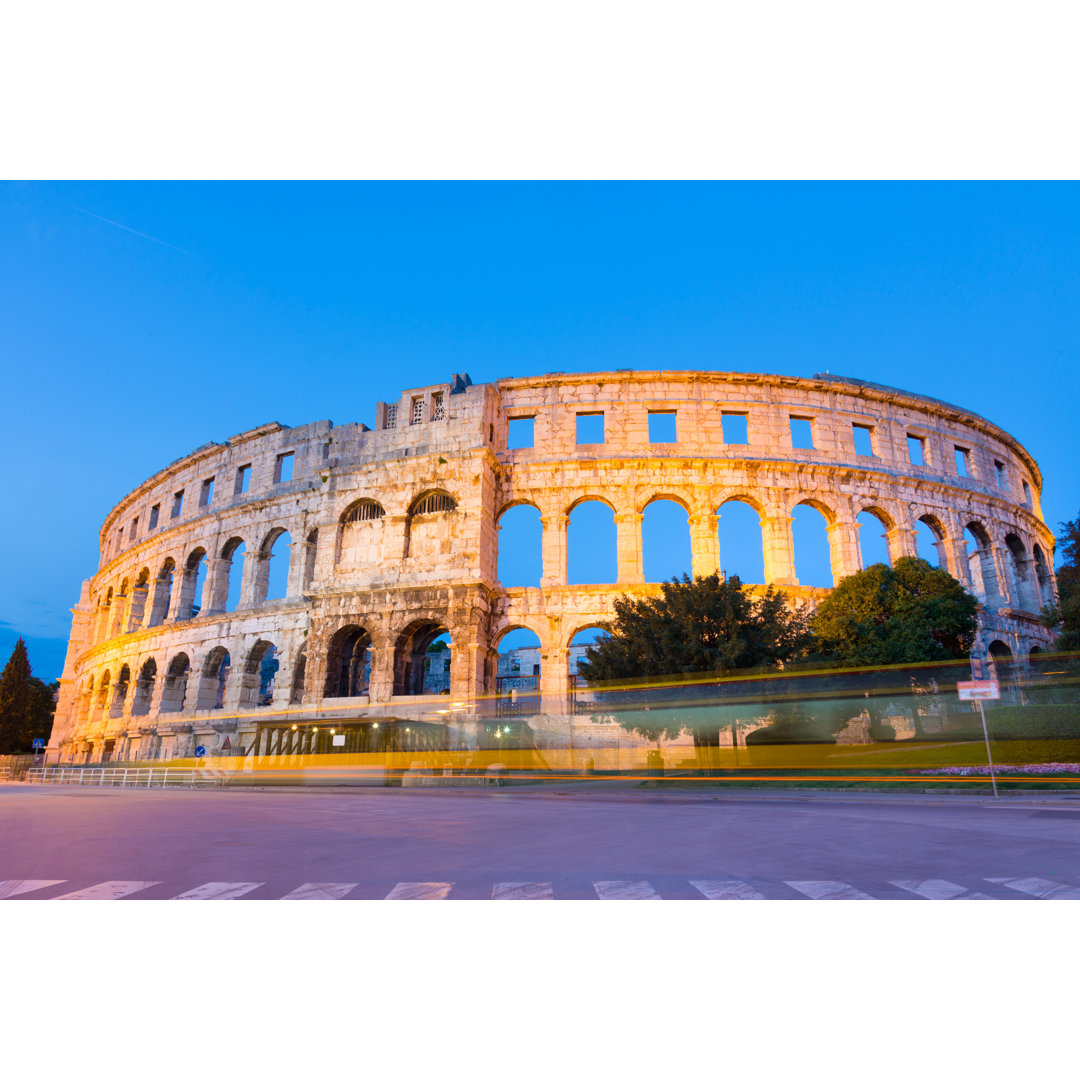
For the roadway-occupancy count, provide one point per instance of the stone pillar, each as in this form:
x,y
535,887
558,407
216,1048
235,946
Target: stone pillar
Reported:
x,y
628,547
216,587
381,681
997,557
553,543
704,545
256,579
466,669
902,542
954,558
779,550
118,625
183,595
845,557
294,581
136,613
1027,584
554,681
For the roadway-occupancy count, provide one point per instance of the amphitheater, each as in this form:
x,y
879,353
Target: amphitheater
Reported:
x,y
390,536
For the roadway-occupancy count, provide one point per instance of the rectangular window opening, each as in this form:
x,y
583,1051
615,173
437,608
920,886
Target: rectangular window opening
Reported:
x,y
134,531
417,414
802,432
915,449
177,504
662,427
243,479
735,428
961,461
391,417
999,470
206,492
1027,493
438,410
520,432
155,513
590,428
864,442
283,468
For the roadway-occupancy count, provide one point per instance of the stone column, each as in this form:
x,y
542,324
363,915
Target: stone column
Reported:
x,y
628,547
255,580
997,557
216,587
466,669
554,681
294,582
183,595
845,557
704,544
553,544
137,609
954,558
779,550
902,542
381,682
119,617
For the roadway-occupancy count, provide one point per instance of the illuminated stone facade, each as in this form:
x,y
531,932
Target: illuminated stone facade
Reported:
x,y
393,539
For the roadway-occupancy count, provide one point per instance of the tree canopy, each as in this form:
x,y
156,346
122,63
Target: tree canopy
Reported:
x,y
1065,615
908,613
704,625
26,704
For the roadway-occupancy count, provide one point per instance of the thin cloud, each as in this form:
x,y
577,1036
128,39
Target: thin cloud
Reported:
x,y
126,228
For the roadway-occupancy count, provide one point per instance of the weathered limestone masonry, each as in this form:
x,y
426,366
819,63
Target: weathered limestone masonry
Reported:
x,y
393,539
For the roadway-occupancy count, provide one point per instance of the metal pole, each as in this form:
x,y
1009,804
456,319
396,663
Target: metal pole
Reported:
x,y
986,736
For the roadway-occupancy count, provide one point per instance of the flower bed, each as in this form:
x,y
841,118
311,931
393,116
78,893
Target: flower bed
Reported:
x,y
1053,768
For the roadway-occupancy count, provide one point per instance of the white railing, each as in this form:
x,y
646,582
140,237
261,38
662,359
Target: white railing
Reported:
x,y
127,777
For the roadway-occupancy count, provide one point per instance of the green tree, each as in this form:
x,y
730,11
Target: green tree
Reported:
x,y
26,704
1064,616
706,626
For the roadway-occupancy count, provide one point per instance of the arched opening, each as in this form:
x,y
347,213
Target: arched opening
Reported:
x,y
592,544
1001,660
422,658
360,534
144,688
104,617
430,527
257,683
123,681
192,585
575,653
296,692
980,561
813,559
230,575
120,605
175,689
665,540
348,663
521,560
873,546
517,679
277,551
1042,577
215,677
742,547
928,536
310,551
1024,590
163,586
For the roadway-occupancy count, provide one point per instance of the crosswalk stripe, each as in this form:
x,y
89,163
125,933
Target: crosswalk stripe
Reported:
x,y
108,890
1039,887
420,890
16,887
625,890
321,890
936,889
828,890
726,889
219,890
522,890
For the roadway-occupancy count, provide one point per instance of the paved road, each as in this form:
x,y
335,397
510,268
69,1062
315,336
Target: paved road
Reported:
x,y
529,844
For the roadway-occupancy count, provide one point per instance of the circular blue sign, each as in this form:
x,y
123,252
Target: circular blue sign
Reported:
x,y
200,751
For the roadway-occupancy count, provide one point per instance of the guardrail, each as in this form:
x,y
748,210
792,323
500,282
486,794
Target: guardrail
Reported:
x,y
127,777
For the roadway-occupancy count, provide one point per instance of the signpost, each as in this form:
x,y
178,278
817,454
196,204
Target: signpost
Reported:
x,y
981,690
37,744
200,751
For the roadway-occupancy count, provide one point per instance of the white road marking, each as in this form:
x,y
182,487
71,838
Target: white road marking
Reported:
x,y
219,890
625,890
936,889
14,888
1039,888
828,890
108,890
732,889
522,890
420,890
321,890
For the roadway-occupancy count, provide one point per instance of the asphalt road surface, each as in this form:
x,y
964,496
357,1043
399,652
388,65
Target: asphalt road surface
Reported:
x,y
517,843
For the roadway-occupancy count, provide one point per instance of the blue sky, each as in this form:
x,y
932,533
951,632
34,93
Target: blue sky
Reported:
x,y
195,311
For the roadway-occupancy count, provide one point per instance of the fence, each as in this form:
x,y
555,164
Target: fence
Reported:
x,y
127,777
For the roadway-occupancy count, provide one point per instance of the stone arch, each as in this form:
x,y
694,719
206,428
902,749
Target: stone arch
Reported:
x,y
176,679
120,692
311,545
144,688
591,497
812,543
227,587
873,550
575,650
666,496
348,662
518,670
361,510
359,537
981,562
411,655
192,585
257,679
428,529
214,679
741,537
1043,577
299,677
666,549
591,543
1019,567
519,531
273,584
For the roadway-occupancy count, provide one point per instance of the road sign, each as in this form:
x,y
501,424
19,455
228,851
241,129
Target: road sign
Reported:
x,y
200,751
226,745
982,690
978,668
39,744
